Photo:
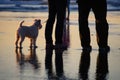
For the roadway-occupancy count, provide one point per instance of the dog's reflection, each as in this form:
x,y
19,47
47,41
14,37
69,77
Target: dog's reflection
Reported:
x,y
30,58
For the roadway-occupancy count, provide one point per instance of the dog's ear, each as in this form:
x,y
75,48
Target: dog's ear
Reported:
x,y
40,20
35,20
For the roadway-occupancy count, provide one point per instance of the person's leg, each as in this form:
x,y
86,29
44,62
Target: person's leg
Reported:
x,y
102,27
68,10
84,9
50,22
61,8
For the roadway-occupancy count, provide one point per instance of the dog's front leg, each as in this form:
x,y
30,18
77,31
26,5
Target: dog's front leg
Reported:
x,y
31,42
34,43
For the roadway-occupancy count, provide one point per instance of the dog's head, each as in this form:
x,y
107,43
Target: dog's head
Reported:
x,y
38,23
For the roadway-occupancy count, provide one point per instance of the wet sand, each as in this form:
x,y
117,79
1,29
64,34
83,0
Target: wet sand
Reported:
x,y
30,65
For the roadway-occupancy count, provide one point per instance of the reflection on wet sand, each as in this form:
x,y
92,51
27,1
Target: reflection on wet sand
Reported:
x,y
102,66
11,70
84,65
31,58
58,64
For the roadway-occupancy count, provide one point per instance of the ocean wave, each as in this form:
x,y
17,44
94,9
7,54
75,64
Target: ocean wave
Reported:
x,y
113,5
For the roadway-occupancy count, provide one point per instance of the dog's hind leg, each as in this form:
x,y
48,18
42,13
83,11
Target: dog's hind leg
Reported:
x,y
16,43
22,39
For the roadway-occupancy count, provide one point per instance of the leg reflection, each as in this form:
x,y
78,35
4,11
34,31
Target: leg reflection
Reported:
x,y
102,66
58,64
84,65
31,58
19,56
48,62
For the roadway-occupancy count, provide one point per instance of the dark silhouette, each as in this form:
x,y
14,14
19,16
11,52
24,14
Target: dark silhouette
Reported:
x,y
19,56
99,8
84,65
31,58
57,9
48,63
66,36
58,64
102,66
68,10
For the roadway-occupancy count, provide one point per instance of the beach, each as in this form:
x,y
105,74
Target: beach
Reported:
x,y
15,67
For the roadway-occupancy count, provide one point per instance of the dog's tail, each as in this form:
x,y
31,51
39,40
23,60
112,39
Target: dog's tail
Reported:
x,y
21,23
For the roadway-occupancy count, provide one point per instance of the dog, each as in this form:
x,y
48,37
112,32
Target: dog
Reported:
x,y
28,31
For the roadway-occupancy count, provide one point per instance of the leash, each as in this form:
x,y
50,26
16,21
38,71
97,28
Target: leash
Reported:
x,y
44,22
